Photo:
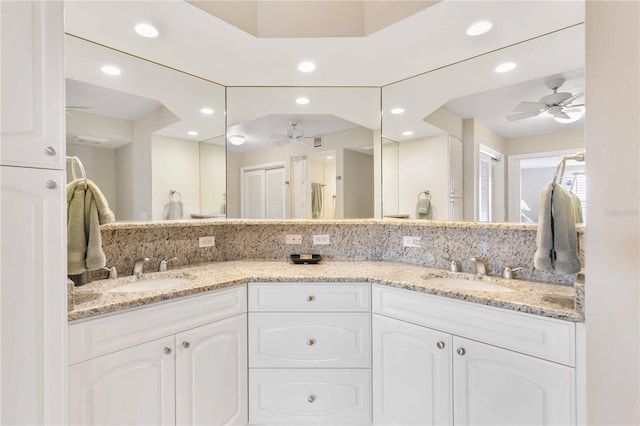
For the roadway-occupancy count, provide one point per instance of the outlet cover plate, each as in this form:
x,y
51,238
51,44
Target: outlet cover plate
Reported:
x,y
293,239
409,241
207,241
320,239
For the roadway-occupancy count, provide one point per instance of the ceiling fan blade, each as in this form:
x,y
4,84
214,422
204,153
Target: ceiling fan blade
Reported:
x,y
568,101
529,107
521,116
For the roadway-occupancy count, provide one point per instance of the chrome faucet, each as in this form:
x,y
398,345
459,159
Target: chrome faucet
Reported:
x,y
139,265
163,264
479,266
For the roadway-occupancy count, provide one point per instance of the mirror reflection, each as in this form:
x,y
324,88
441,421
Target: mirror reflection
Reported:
x,y
473,142
302,152
151,137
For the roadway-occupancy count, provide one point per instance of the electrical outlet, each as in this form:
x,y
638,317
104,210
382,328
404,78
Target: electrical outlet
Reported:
x,y
293,239
320,239
409,241
207,241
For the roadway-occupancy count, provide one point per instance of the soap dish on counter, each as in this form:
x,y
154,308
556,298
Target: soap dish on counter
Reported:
x,y
305,259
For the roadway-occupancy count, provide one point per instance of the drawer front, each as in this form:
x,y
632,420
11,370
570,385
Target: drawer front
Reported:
x,y
542,337
309,397
308,297
98,336
310,340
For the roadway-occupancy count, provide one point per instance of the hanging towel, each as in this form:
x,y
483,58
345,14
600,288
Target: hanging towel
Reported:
x,y
87,209
556,236
316,200
423,207
577,208
174,210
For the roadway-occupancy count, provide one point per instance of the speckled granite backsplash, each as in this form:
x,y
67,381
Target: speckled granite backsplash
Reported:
x,y
500,244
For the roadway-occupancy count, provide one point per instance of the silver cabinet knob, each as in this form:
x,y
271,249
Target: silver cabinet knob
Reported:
x,y
440,345
311,398
461,351
186,345
50,150
52,184
167,351
311,342
311,298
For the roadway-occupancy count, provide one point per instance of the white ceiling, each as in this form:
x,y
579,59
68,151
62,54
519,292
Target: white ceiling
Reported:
x,y
197,42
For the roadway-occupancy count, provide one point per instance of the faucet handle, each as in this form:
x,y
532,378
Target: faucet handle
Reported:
x,y
508,272
163,264
113,272
453,266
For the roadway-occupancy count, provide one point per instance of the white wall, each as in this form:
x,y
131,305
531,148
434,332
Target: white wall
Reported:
x,y
613,247
212,178
100,165
546,143
357,184
80,123
447,121
390,175
175,166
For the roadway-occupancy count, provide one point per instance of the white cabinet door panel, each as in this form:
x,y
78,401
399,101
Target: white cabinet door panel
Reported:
x,y
310,340
493,386
309,397
211,374
411,374
135,386
310,297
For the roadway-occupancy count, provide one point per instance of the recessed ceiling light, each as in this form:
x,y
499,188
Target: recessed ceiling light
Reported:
x,y
506,67
111,70
206,110
302,101
147,30
192,133
478,28
407,133
397,111
574,115
236,139
306,66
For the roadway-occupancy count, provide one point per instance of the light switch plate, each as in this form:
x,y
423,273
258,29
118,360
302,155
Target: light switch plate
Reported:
x,y
409,241
293,239
207,241
320,239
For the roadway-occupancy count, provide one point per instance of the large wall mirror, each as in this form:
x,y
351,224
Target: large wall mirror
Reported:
x,y
466,142
303,152
151,137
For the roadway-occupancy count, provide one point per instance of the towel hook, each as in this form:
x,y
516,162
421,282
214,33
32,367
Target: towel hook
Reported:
x,y
427,195
75,160
173,192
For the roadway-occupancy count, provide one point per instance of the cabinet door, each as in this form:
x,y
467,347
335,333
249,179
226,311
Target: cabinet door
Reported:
x,y
211,374
455,167
32,84
411,374
456,210
135,386
33,296
494,386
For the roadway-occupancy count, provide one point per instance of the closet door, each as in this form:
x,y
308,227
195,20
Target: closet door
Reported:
x,y
275,207
253,194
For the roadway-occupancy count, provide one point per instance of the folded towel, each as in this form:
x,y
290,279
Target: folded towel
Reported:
x,y
87,209
556,238
423,209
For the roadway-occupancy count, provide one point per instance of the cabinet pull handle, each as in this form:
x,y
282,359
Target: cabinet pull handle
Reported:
x,y
311,298
311,399
167,351
461,351
311,342
440,345
52,184
186,345
50,150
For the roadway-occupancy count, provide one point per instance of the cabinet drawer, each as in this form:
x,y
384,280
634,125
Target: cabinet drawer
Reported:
x,y
309,397
305,297
98,336
542,337
310,340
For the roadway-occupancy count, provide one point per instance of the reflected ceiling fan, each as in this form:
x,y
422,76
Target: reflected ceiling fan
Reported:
x,y
293,134
557,103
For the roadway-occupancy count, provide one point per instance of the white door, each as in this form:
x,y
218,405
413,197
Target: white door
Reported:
x,y
494,386
32,84
135,386
253,194
455,167
274,199
33,295
411,374
211,374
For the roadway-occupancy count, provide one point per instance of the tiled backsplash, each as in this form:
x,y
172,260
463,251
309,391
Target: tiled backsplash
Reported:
x,y
440,242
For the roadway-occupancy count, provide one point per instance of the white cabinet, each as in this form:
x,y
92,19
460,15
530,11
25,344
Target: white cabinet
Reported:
x,y
135,386
32,84
195,374
411,374
494,386
211,374
455,167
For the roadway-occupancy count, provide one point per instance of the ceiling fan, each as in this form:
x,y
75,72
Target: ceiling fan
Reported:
x,y
557,103
293,134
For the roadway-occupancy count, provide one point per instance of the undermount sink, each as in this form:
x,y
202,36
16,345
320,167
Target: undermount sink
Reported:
x,y
466,284
151,284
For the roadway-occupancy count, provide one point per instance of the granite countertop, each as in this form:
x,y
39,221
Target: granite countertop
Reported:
x,y
549,300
